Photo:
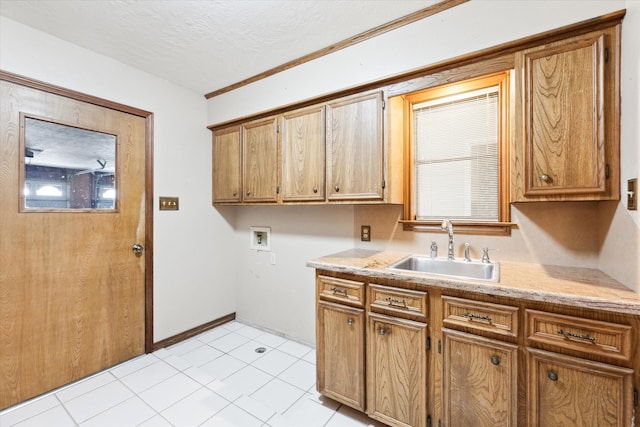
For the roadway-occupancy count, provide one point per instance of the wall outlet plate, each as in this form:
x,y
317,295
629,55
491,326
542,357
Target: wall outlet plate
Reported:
x,y
365,233
169,204
260,238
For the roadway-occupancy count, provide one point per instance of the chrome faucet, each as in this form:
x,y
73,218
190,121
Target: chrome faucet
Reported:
x,y
446,225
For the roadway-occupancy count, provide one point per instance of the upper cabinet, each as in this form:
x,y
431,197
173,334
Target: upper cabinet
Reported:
x,y
331,152
303,155
566,143
227,184
260,161
355,148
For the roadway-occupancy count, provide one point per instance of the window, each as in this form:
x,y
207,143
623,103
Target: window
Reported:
x,y
456,154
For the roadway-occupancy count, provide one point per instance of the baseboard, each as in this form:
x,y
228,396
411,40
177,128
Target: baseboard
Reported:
x,y
193,332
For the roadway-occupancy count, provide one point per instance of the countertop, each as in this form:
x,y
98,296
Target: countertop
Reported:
x,y
583,287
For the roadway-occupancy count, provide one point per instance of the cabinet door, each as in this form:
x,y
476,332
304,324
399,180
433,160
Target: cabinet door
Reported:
x,y
303,155
480,381
571,140
260,161
568,391
340,353
226,186
397,371
355,148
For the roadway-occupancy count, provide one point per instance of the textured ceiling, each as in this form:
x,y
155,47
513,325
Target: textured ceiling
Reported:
x,y
206,45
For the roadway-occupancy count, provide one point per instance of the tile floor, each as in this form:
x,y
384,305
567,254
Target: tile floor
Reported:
x,y
214,379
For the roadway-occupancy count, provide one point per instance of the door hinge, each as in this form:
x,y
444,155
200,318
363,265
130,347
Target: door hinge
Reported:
x,y
439,423
277,189
428,420
277,128
439,347
428,343
384,104
606,171
635,397
606,54
384,184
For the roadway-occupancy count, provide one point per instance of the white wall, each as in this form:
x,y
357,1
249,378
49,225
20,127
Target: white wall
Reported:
x,y
193,248
587,234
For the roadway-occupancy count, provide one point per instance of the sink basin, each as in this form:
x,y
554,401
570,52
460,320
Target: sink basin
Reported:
x,y
443,267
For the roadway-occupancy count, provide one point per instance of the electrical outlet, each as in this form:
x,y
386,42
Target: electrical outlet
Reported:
x,y
632,194
365,233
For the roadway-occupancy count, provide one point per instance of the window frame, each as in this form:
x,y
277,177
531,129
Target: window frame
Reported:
x,y
503,80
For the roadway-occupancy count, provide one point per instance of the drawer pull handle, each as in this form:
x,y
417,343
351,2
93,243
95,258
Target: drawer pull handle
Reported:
x,y
400,302
383,331
552,376
477,317
350,322
339,291
568,334
545,178
495,360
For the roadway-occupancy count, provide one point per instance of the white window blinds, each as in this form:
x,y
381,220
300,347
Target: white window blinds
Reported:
x,y
456,156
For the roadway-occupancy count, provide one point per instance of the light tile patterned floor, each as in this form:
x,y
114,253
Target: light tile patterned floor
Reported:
x,y
214,379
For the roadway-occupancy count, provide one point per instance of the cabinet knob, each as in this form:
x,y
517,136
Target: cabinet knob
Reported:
x,y
495,360
248,192
350,322
544,177
315,189
552,376
337,188
235,193
382,331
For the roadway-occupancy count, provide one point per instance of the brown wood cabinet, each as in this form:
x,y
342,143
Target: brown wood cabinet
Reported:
x,y
355,148
227,178
260,161
480,386
567,119
303,155
453,358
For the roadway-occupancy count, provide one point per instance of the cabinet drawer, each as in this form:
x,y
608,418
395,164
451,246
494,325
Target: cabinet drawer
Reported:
x,y
588,336
400,302
480,316
341,290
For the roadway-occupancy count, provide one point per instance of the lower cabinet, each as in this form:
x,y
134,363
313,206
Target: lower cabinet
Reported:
x,y
340,353
569,391
480,381
397,371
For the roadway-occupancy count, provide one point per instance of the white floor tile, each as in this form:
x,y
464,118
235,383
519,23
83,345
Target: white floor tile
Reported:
x,y
157,421
202,355
228,342
274,362
84,386
348,417
301,374
203,377
249,332
305,412
55,417
310,357
295,349
233,326
213,334
248,379
271,340
128,413
177,362
278,395
255,408
232,416
96,401
168,392
149,376
133,365
247,351
185,346
195,408
223,366
225,390
27,409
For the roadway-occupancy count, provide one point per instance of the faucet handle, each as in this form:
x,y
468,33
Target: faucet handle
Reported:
x,y
466,252
434,249
485,255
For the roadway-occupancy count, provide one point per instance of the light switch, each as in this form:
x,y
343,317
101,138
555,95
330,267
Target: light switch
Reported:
x,y
169,204
632,194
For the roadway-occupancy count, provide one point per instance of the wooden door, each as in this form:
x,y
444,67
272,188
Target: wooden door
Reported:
x,y
397,371
260,161
480,386
354,148
226,166
568,391
341,372
72,292
303,155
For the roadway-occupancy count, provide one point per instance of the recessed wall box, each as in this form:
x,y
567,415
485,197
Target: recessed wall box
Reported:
x,y
260,238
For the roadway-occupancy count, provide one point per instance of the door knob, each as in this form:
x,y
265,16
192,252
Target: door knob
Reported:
x,y
137,249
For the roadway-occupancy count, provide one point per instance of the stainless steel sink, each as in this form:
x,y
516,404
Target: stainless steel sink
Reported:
x,y
452,268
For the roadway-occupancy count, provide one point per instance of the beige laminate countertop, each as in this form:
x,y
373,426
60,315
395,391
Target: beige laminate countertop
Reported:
x,y
582,287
